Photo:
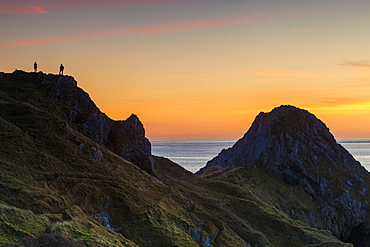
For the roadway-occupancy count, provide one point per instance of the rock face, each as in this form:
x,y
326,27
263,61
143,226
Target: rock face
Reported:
x,y
125,138
298,147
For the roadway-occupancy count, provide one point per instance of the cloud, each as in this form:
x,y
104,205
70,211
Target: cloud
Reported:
x,y
22,7
22,10
78,5
359,64
150,30
335,105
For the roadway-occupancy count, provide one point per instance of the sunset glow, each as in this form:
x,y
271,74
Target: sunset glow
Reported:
x,y
201,69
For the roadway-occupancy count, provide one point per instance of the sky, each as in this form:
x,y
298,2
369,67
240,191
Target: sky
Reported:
x,y
201,69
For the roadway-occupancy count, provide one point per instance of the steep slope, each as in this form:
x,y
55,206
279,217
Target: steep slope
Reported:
x,y
56,177
232,214
53,172
61,96
297,147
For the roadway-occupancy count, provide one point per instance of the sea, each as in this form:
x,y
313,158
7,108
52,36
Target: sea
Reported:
x,y
193,155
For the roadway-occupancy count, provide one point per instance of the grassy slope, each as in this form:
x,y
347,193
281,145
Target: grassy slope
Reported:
x,y
49,183
44,170
237,208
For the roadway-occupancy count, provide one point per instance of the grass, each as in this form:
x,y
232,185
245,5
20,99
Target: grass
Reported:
x,y
231,202
48,183
16,224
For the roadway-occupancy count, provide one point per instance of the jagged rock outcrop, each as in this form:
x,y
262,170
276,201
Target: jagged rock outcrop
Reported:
x,y
122,140
126,138
298,147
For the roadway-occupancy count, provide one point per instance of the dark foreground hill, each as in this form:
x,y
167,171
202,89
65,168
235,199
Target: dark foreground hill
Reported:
x,y
60,96
69,173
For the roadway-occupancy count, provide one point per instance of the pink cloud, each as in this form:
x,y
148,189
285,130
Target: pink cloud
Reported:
x,y
22,10
151,30
42,6
98,4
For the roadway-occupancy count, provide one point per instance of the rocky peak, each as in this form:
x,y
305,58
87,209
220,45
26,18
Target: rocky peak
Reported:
x,y
298,147
285,137
126,138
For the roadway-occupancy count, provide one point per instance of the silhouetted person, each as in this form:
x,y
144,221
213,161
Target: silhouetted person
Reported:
x,y
61,69
35,67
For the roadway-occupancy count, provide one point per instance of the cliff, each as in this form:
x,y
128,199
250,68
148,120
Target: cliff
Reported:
x,y
63,178
297,147
125,138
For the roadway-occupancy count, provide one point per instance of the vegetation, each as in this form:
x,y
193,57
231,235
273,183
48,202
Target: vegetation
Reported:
x,y
52,188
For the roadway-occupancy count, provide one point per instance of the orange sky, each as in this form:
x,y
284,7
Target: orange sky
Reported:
x,y
201,69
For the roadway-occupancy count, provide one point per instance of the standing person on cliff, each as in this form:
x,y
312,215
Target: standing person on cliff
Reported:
x,y
61,69
35,67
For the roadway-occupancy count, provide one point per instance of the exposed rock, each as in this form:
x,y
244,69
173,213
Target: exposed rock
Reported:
x,y
297,146
97,154
125,138
195,233
105,217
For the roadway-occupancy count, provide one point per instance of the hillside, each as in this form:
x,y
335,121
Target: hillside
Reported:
x,y
61,97
66,168
295,146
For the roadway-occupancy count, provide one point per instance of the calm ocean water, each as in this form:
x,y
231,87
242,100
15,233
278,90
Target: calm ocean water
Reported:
x,y
193,155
